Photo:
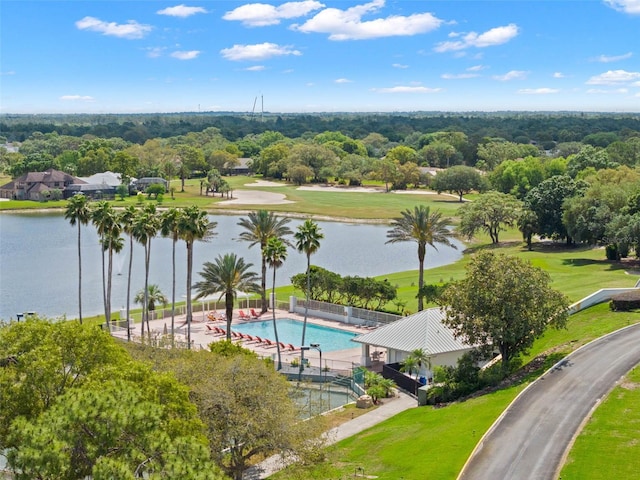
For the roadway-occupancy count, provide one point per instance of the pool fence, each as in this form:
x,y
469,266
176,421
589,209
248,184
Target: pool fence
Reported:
x,y
341,313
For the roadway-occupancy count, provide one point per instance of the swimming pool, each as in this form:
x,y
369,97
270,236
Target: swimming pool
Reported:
x,y
290,331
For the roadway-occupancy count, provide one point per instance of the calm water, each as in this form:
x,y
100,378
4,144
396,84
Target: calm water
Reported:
x,y
39,261
290,331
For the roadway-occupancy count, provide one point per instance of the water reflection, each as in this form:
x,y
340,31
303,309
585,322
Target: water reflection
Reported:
x,y
39,261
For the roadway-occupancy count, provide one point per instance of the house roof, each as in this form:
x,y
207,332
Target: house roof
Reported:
x,y
50,175
107,178
423,330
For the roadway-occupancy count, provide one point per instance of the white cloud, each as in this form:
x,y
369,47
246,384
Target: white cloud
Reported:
x,y
457,76
399,65
558,75
512,75
602,91
186,55
255,68
154,52
342,80
77,98
631,7
611,58
7,73
348,24
614,77
261,51
490,38
476,68
407,89
262,14
538,91
131,30
181,11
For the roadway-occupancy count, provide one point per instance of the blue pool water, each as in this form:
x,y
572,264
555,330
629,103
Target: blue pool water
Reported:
x,y
290,331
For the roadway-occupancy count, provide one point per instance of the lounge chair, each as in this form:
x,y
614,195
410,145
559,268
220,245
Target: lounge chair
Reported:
x,y
269,343
211,329
291,347
243,316
254,314
282,346
258,339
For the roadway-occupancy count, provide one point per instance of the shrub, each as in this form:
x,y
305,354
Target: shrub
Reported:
x,y
625,302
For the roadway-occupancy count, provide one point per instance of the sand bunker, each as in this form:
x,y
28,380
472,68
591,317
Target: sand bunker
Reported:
x,y
328,188
255,197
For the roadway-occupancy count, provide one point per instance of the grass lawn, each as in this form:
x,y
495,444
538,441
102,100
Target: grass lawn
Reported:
x,y
609,445
420,443
434,443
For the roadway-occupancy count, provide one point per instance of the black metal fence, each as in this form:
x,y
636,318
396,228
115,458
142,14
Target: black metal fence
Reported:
x,y
392,372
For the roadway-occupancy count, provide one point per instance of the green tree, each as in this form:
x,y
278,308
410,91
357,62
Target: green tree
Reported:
x,y
170,227
226,275
127,219
491,212
459,179
84,408
193,225
275,253
259,226
424,228
528,225
154,295
144,228
78,212
402,154
105,219
503,302
307,237
547,200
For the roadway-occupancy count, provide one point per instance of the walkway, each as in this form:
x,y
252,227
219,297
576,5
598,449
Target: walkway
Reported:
x,y
352,427
533,436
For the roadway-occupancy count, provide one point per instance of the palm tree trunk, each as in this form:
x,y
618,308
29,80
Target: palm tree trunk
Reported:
x,y
306,312
189,307
104,282
421,253
146,285
173,290
228,303
129,285
109,277
275,327
264,283
79,276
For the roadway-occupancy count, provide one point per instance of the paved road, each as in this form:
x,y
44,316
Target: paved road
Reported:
x,y
531,438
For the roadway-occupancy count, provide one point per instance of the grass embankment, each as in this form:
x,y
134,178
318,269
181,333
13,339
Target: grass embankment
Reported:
x,y
609,445
434,443
356,206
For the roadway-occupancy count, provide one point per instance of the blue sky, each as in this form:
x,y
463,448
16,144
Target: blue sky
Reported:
x,y
310,56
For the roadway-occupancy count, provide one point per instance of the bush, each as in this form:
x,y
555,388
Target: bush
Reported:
x,y
611,251
625,302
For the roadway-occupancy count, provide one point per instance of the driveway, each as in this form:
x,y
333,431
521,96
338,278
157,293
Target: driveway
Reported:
x,y
530,440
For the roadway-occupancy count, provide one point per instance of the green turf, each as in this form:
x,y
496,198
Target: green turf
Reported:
x,y
421,443
609,445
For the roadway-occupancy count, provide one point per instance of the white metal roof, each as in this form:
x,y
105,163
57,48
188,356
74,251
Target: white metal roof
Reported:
x,y
421,330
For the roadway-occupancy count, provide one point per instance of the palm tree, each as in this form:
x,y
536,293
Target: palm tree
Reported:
x,y
145,227
275,253
169,223
308,239
421,357
154,295
193,224
227,274
105,219
78,212
127,218
259,227
423,227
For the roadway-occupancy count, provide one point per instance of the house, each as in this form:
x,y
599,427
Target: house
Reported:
x,y
38,185
241,168
141,184
423,330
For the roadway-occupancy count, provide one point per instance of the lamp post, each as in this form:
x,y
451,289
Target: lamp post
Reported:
x,y
315,346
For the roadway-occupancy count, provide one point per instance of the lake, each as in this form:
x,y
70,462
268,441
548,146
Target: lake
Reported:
x,y
39,261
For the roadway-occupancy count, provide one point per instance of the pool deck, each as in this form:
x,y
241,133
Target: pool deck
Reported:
x,y
201,337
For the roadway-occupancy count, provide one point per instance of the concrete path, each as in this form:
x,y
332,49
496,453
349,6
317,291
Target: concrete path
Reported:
x,y
387,410
533,436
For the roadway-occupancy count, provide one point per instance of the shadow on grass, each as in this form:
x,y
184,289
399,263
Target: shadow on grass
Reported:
x,y
584,262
